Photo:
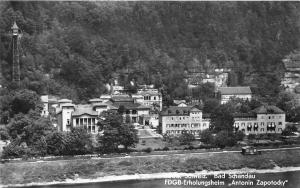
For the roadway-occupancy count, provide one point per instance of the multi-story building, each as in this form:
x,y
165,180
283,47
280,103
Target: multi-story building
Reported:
x,y
152,98
262,120
226,93
176,120
70,115
136,112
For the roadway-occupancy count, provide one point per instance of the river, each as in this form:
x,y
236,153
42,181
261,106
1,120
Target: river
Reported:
x,y
292,179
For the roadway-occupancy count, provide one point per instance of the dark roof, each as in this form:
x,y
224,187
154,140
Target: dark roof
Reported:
x,y
176,110
84,109
121,99
235,90
244,115
268,110
130,106
100,104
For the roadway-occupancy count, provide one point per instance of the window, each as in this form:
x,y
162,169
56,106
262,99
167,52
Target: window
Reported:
x,y
280,123
262,129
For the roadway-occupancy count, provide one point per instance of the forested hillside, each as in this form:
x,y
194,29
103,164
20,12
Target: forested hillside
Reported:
x,y
73,49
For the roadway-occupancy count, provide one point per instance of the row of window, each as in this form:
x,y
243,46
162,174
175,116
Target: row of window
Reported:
x,y
271,117
184,125
184,118
262,130
149,98
195,132
256,124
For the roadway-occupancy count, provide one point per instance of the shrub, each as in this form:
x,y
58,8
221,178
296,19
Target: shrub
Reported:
x,y
148,150
186,138
166,149
191,147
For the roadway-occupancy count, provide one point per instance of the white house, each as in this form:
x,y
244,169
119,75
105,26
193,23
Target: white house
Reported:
x,y
176,120
226,93
262,120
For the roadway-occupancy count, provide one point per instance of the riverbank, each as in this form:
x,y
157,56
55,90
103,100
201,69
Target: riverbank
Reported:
x,y
156,176
152,167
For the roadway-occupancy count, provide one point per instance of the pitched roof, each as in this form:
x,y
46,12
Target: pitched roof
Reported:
x,y
121,99
84,109
235,90
177,110
130,106
268,110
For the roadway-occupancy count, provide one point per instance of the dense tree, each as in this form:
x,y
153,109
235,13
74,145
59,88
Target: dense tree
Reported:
x,y
289,130
128,135
147,42
222,118
4,134
224,138
206,136
186,138
29,130
211,105
115,132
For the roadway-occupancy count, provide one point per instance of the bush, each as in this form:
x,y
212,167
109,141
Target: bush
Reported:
x,y
191,147
166,149
186,138
148,150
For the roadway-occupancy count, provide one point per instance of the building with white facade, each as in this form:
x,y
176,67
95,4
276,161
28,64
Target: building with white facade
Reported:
x,y
85,115
133,111
152,98
226,93
262,120
176,120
